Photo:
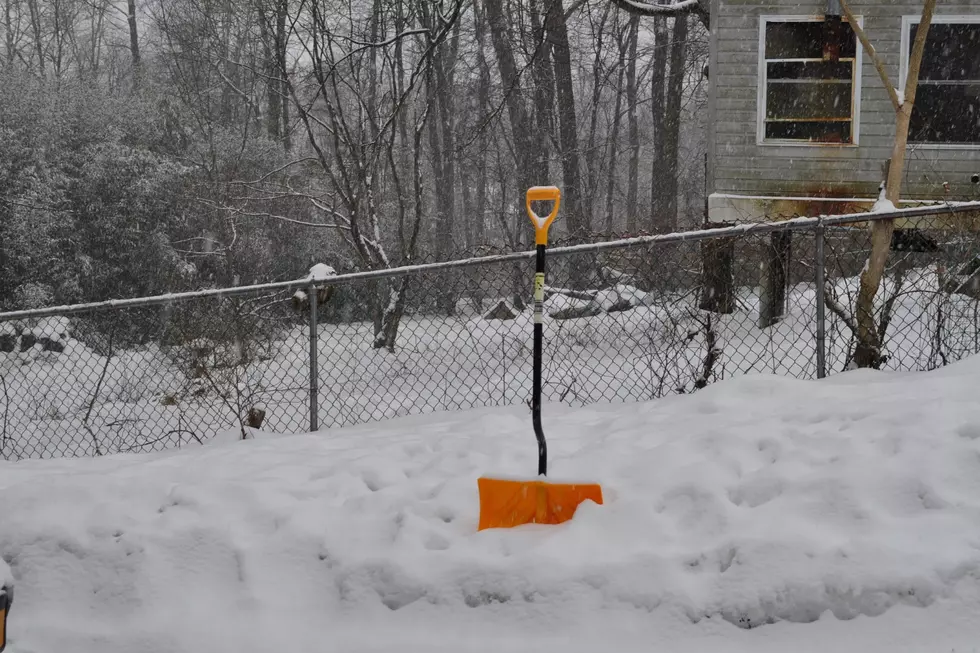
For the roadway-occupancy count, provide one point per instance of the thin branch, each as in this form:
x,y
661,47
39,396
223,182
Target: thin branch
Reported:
x,y
711,355
386,42
34,207
245,96
282,218
6,409
327,209
273,172
839,310
95,395
870,49
572,8
915,61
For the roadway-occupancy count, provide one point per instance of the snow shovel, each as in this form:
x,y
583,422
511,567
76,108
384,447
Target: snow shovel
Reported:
x,y
505,502
6,600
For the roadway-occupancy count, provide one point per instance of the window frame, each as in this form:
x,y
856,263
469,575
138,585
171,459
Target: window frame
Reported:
x,y
906,50
762,82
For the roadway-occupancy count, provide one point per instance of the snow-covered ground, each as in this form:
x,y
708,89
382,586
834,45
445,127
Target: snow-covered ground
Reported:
x,y
762,514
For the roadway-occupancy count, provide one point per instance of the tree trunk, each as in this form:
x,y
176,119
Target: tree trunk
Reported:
x,y
867,352
517,113
441,143
483,106
657,108
9,33
632,193
96,20
434,229
671,124
372,71
36,27
544,91
58,53
392,315
134,42
270,50
227,106
447,109
624,45
442,128
397,84
578,222
282,38
466,191
593,158
389,318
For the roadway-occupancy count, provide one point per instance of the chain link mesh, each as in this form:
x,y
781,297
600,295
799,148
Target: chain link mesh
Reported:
x,y
630,323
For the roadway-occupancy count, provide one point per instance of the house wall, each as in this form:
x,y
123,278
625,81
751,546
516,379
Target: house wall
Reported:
x,y
739,166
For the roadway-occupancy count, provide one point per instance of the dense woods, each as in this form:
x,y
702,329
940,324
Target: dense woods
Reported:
x,y
151,146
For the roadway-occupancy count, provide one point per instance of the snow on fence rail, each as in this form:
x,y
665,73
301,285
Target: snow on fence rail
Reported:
x,y
628,320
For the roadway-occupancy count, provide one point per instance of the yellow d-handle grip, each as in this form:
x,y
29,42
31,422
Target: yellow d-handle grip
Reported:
x,y
538,193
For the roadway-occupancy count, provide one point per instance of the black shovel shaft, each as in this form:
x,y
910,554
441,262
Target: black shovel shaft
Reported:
x,y
538,338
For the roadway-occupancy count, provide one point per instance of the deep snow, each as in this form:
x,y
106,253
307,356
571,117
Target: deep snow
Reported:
x,y
837,515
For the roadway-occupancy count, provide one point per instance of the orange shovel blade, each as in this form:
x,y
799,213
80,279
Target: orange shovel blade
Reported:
x,y
507,503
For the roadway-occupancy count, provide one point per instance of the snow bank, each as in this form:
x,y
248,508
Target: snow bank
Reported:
x,y
761,514
6,576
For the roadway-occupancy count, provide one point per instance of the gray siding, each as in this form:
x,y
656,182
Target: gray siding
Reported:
x,y
740,166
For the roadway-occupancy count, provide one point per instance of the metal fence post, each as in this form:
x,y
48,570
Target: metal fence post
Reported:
x,y
819,269
314,367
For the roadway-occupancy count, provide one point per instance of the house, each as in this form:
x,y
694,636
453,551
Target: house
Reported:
x,y
801,124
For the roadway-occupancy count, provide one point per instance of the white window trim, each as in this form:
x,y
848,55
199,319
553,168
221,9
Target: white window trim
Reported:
x,y
760,129
906,49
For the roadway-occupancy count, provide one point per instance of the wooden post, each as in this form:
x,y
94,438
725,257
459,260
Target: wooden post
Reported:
x,y
718,270
775,273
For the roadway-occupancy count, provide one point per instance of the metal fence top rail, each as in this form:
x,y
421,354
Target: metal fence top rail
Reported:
x,y
794,224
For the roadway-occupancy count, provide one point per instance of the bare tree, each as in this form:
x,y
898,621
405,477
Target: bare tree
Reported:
x,y
353,132
868,348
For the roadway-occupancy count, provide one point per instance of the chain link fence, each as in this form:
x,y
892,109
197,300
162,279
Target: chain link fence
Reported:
x,y
630,320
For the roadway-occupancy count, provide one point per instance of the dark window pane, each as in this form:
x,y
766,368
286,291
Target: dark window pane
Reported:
x,y
818,132
952,52
806,39
810,70
946,113
808,100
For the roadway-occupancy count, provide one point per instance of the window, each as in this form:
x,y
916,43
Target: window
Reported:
x,y
809,81
947,99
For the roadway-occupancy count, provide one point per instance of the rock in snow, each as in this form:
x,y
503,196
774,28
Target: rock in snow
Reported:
x,y
321,272
502,310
